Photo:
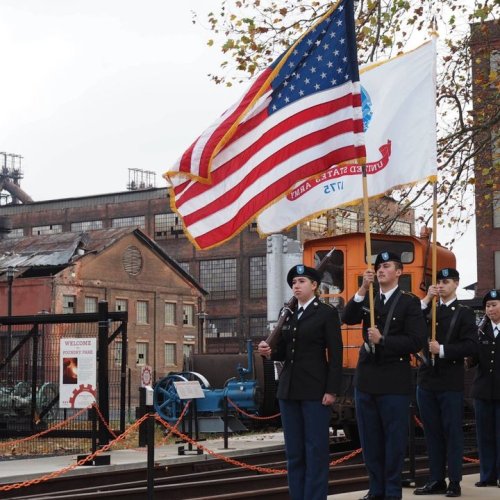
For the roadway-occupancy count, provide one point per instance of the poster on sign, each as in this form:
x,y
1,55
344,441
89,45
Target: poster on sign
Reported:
x,y
146,376
77,372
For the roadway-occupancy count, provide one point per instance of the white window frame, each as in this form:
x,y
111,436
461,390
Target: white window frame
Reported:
x,y
172,345
171,317
188,317
142,360
139,316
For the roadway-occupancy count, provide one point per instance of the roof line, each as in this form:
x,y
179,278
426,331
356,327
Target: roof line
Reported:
x,y
159,250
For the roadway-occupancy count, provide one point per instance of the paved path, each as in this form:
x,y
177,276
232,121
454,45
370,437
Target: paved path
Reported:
x,y
468,491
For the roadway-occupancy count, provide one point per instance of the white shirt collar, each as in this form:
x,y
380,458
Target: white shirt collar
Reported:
x,y
493,326
449,302
304,306
388,293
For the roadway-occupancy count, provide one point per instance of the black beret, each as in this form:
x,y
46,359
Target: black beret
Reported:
x,y
386,257
448,273
301,270
491,295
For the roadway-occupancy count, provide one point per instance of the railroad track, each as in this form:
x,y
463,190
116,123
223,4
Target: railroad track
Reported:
x,y
205,480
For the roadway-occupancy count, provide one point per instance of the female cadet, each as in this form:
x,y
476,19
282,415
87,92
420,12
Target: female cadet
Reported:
x,y
486,393
311,347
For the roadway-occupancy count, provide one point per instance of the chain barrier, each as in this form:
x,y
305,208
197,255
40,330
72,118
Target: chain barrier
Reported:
x,y
418,422
173,429
186,438
179,420
83,461
465,459
46,431
238,463
346,457
103,420
249,415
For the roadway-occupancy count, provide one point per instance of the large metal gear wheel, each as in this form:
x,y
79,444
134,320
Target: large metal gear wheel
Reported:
x,y
166,401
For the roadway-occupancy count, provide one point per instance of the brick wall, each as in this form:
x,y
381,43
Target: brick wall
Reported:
x,y
485,42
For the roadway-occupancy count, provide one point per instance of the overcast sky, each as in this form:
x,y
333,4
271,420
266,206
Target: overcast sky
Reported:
x,y
91,88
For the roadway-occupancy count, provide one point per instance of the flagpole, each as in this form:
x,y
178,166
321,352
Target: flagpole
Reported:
x,y
434,264
368,243
434,35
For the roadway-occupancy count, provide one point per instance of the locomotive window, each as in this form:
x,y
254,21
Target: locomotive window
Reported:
x,y
404,283
405,249
333,277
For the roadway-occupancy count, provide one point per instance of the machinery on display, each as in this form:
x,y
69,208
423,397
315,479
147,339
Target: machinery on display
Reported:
x,y
242,390
15,401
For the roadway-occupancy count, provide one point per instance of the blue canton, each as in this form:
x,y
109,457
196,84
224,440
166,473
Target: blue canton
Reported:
x,y
324,58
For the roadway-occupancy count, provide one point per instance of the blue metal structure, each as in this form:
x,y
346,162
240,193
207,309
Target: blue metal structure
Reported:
x,y
242,392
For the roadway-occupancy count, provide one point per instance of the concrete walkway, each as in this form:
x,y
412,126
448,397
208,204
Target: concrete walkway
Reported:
x,y
467,484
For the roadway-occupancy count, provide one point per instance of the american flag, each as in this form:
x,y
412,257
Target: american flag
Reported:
x,y
301,116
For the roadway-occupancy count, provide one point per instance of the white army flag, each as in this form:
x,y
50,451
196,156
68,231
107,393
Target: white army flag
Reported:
x,y
399,114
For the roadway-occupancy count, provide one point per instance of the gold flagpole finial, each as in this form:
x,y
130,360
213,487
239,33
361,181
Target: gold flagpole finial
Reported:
x,y
433,27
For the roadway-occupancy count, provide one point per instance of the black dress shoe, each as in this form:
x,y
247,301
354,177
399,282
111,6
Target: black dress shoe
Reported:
x,y
482,484
453,489
432,488
369,496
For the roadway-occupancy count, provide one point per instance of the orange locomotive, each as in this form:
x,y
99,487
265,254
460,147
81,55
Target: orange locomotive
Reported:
x,y
344,271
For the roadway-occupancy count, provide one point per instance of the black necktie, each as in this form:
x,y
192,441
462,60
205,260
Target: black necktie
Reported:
x,y
382,298
496,331
300,310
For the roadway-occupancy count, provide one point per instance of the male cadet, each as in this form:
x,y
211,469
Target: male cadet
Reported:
x,y
486,392
383,381
440,384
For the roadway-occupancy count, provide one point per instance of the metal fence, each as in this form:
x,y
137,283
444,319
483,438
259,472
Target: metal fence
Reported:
x,y
30,373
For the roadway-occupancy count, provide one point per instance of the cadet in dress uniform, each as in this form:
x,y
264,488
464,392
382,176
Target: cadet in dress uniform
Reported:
x,y
383,381
486,392
440,384
310,345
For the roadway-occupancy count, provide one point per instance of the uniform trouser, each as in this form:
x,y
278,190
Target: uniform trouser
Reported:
x,y
488,438
383,431
442,415
306,430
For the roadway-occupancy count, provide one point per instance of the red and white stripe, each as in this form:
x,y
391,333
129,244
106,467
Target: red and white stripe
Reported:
x,y
264,158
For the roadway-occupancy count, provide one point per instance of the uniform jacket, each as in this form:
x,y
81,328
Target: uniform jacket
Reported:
x,y
307,373
447,374
486,383
388,371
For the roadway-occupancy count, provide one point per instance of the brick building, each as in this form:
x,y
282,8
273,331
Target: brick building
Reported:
x,y
71,272
485,55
